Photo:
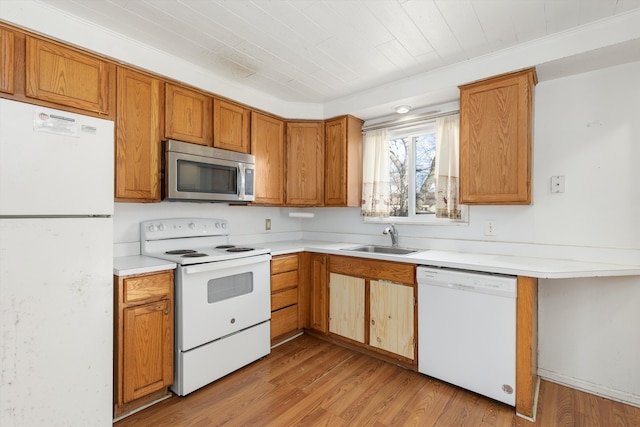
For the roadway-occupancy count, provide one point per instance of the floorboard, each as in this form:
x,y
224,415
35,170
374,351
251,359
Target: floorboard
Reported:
x,y
310,382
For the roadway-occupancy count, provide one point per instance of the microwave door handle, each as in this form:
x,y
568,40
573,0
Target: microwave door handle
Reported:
x,y
241,183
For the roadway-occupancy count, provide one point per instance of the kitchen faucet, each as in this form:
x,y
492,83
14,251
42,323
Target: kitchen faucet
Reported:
x,y
393,233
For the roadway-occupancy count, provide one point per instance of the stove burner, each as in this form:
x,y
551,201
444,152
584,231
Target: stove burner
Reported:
x,y
240,249
193,255
225,246
180,252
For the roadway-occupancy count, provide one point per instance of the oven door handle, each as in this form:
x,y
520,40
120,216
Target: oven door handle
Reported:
x,y
221,265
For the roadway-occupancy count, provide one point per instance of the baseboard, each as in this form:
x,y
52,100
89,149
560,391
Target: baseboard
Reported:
x,y
588,387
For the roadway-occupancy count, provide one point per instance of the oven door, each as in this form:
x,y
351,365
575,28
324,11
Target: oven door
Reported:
x,y
220,298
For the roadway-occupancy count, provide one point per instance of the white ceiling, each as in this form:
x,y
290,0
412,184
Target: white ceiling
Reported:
x,y
317,51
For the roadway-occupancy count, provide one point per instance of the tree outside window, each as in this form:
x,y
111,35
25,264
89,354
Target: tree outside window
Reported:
x,y
412,170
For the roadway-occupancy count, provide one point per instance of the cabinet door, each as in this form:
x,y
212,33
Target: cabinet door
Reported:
x,y
267,144
318,293
343,162
148,349
392,317
138,137
67,77
231,126
6,61
305,163
346,306
495,140
188,115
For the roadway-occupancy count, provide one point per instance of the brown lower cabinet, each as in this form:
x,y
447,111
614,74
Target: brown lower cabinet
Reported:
x,y
143,341
285,312
365,304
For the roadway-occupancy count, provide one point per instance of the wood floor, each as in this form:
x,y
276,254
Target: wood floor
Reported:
x,y
308,382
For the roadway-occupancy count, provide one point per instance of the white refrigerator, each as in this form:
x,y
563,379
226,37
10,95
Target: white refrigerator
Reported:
x,y
56,256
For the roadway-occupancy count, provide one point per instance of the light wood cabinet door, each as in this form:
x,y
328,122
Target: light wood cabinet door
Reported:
x,y
346,306
495,139
318,310
343,162
68,77
391,317
188,115
267,144
305,163
138,137
148,349
231,126
7,49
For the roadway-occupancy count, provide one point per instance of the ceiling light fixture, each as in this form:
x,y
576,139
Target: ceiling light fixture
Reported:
x,y
402,109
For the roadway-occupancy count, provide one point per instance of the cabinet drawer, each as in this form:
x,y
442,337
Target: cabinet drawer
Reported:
x,y
146,287
284,320
284,263
284,299
373,269
284,280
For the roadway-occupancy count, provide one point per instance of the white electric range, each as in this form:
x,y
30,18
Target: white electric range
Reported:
x,y
222,298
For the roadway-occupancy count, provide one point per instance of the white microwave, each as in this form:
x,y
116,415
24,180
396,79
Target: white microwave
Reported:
x,y
200,173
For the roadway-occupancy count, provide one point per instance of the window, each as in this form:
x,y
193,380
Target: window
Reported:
x,y
412,164
400,172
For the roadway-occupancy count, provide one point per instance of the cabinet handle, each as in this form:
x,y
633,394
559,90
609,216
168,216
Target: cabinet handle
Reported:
x,y
166,312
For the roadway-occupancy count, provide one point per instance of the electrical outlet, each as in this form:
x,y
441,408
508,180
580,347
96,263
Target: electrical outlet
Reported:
x,y
489,227
267,224
557,184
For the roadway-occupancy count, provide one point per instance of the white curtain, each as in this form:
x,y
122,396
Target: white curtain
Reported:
x,y
375,174
447,159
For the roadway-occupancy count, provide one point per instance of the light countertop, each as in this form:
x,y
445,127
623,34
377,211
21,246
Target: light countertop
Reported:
x,y
138,264
542,268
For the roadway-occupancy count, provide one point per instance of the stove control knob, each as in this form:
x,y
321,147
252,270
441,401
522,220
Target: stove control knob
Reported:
x,y
224,225
192,225
151,228
161,227
217,225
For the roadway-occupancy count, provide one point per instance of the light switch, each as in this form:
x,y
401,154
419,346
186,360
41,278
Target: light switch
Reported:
x,y
557,184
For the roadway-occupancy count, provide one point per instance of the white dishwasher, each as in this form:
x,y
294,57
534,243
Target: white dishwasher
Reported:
x,y
467,330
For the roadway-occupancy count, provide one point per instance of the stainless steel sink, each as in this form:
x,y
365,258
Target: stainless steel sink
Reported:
x,y
381,250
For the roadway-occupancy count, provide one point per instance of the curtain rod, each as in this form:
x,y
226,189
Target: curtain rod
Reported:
x,y
407,121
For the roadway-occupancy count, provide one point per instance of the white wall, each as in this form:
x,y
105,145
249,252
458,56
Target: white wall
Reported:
x,y
587,128
246,223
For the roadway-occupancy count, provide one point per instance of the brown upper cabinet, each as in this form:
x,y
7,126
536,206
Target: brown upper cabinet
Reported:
x,y
305,163
267,144
343,162
495,139
68,77
138,136
6,61
231,126
188,115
